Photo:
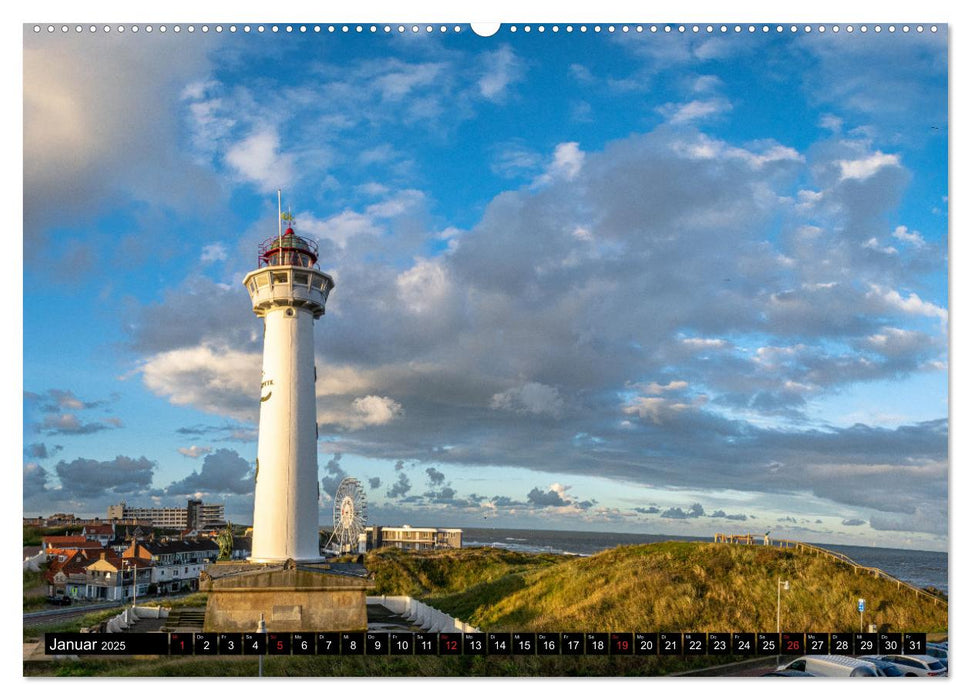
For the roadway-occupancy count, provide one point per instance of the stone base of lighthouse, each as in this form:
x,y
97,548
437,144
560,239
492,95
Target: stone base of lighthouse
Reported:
x,y
291,598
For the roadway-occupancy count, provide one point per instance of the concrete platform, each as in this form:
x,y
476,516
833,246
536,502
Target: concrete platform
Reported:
x,y
291,598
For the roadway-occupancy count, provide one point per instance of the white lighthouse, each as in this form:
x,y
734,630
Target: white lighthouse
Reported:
x,y
289,292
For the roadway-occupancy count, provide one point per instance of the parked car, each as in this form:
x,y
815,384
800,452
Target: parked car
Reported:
x,y
59,599
938,651
884,668
788,672
833,666
917,664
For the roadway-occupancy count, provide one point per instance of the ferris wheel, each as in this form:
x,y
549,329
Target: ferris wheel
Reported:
x,y
350,516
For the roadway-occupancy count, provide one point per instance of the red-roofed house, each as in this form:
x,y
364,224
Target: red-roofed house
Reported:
x,y
67,575
57,545
111,577
103,533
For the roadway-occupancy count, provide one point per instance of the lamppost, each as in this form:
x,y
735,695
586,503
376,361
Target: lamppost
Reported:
x,y
261,628
780,586
134,581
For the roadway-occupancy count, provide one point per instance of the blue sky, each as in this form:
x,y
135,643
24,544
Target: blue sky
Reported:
x,y
654,282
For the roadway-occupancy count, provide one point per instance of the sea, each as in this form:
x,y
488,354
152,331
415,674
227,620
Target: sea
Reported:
x,y
916,567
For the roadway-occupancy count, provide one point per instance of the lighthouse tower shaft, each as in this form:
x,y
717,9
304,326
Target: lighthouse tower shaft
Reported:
x,y
289,293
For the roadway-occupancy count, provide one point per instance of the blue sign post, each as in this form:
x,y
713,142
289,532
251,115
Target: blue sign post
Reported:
x,y
861,605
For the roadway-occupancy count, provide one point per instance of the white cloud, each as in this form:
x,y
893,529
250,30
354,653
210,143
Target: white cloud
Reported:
x,y
864,168
912,304
215,380
194,451
340,228
375,410
213,252
258,160
913,237
501,69
423,287
566,164
704,343
874,244
694,110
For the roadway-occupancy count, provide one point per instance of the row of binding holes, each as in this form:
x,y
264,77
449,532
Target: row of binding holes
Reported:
x,y
414,28
259,29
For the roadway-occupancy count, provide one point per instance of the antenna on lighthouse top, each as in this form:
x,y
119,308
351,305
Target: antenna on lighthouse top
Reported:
x,y
279,221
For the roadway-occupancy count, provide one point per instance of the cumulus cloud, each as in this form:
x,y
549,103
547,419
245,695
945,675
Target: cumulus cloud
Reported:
x,y
35,480
257,159
435,477
223,471
374,482
864,168
213,379
694,511
363,411
853,522
734,516
91,478
401,487
38,450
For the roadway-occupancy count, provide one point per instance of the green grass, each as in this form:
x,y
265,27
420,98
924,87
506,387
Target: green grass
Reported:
x,y
447,571
670,586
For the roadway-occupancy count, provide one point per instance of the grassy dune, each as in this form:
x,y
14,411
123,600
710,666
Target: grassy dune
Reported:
x,y
670,586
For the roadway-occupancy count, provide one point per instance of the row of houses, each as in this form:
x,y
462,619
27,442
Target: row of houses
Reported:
x,y
88,570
